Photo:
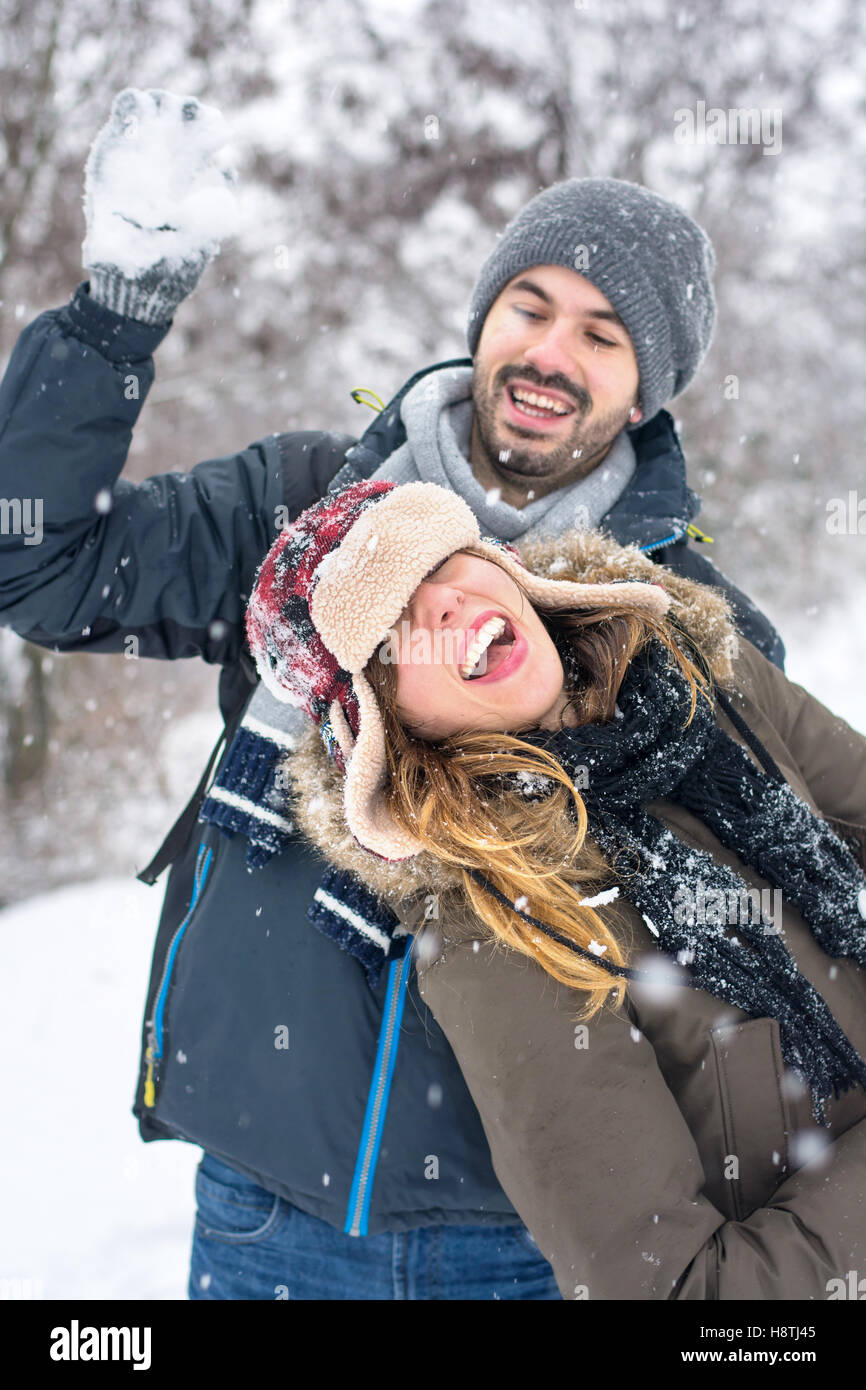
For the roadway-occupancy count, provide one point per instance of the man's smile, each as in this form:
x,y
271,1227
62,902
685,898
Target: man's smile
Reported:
x,y
541,409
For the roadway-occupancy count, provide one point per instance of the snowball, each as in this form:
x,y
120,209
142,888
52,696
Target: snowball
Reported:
x,y
153,189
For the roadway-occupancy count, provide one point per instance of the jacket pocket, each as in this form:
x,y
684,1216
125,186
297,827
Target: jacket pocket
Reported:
x,y
156,1025
756,1123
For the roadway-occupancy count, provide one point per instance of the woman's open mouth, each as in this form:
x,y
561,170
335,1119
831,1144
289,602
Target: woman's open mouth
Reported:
x,y
495,650
534,409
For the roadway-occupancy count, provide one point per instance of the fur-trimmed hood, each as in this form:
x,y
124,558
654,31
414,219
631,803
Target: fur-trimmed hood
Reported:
x,y
316,784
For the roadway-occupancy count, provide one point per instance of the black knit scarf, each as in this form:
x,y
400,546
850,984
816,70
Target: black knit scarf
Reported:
x,y
645,754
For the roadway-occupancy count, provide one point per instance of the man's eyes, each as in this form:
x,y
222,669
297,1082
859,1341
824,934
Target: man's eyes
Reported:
x,y
530,314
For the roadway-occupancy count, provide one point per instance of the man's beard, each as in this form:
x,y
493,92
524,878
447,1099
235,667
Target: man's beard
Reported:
x,y
575,454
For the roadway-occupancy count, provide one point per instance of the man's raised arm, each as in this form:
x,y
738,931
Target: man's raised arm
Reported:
x,y
88,561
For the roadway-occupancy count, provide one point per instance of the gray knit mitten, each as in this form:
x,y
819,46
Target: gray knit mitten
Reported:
x,y
156,202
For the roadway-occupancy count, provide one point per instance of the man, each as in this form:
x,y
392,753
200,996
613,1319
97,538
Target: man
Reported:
x,y
328,1109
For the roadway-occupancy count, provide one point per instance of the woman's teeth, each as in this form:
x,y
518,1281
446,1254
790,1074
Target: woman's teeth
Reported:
x,y
533,403
487,633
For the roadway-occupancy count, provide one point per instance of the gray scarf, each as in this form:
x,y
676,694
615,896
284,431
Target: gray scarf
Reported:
x,y
437,413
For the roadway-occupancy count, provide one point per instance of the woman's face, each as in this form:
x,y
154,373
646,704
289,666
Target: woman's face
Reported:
x,y
451,678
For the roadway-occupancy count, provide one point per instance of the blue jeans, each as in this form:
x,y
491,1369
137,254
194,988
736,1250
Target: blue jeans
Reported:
x,y
249,1243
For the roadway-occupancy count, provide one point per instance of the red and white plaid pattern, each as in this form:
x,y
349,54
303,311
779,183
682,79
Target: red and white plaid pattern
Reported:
x,y
281,634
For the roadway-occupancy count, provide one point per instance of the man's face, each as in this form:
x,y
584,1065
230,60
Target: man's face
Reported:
x,y
552,334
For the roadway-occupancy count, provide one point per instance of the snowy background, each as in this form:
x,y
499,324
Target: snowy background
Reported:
x,y
380,146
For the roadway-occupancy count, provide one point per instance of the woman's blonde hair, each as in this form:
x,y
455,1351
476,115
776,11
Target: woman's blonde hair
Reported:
x,y
449,795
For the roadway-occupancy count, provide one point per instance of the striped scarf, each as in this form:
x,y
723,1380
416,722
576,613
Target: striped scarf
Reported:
x,y
249,798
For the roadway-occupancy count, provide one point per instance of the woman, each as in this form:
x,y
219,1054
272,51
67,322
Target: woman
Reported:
x,y
617,833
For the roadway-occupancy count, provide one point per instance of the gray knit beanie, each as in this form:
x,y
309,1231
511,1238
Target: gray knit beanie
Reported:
x,y
646,256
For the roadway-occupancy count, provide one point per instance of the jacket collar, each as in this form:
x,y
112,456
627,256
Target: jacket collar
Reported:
x,y
654,510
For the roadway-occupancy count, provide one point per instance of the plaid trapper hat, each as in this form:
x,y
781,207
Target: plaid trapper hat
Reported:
x,y
333,585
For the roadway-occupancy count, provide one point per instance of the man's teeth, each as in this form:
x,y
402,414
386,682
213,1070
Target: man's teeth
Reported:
x,y
487,633
543,403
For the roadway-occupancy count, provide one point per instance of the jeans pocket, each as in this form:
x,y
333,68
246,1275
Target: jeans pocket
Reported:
x,y
233,1208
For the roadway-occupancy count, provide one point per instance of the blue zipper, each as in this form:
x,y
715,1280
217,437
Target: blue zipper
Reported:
x,y
358,1213
202,865
657,545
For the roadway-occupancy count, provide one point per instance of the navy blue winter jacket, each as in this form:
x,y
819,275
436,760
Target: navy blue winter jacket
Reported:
x,y
343,1122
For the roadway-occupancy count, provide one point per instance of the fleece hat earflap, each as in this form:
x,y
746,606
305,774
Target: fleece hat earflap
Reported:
x,y
647,257
332,587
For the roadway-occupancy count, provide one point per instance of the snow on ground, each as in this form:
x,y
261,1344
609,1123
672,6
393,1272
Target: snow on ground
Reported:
x,y
85,1206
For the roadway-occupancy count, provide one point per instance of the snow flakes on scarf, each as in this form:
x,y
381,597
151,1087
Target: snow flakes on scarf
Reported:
x,y
648,755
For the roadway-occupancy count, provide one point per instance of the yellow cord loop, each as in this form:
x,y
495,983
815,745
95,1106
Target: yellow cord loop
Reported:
x,y
358,397
692,530
149,1088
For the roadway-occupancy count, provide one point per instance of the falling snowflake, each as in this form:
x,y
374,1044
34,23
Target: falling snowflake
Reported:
x,y
600,899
